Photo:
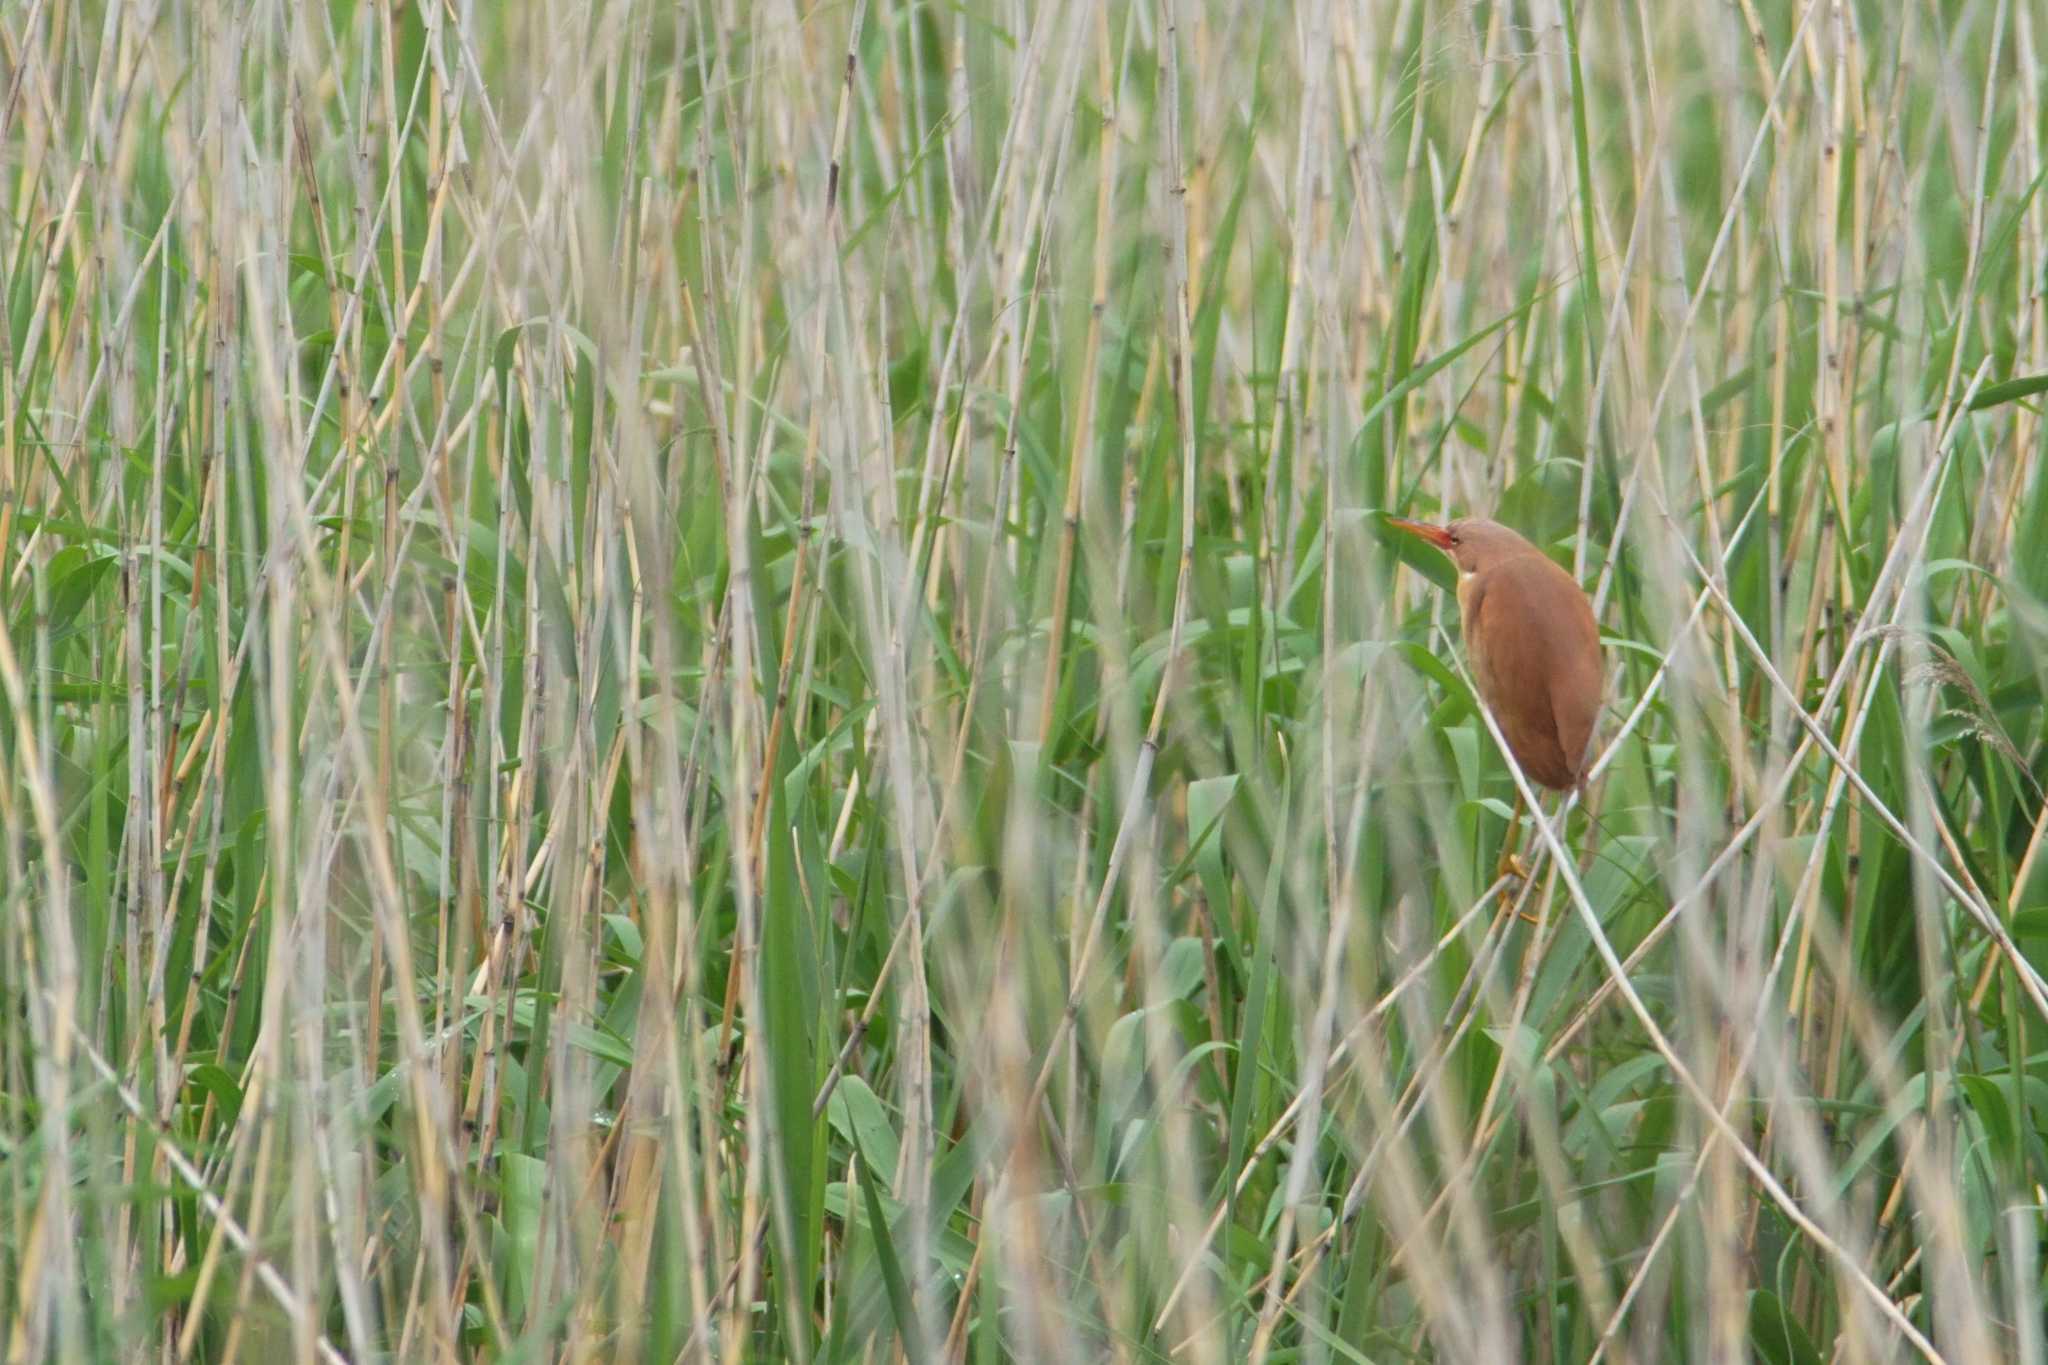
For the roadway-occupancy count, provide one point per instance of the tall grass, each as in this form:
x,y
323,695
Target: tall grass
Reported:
x,y
723,681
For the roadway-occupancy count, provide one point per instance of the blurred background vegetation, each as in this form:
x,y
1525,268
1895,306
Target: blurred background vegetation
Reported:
x,y
723,681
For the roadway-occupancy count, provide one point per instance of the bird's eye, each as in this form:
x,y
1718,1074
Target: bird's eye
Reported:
x,y
1454,537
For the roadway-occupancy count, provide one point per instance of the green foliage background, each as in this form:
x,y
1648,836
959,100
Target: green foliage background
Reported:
x,y
725,681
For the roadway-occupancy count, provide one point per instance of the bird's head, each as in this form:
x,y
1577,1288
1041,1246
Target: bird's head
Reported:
x,y
1473,543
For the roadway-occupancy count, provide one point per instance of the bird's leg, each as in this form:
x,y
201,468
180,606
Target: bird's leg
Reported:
x,y
1510,865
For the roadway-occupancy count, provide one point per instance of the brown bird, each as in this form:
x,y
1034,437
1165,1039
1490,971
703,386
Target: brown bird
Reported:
x,y
1534,648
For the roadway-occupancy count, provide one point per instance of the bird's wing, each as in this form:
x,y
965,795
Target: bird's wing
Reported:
x,y
1539,666
1576,710
1511,661
1575,657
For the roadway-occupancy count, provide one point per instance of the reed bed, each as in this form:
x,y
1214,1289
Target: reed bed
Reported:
x,y
723,681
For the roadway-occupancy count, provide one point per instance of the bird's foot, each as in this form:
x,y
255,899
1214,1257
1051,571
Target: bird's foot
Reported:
x,y
1513,866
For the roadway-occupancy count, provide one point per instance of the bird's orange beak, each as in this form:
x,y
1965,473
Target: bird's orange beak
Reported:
x,y
1439,536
